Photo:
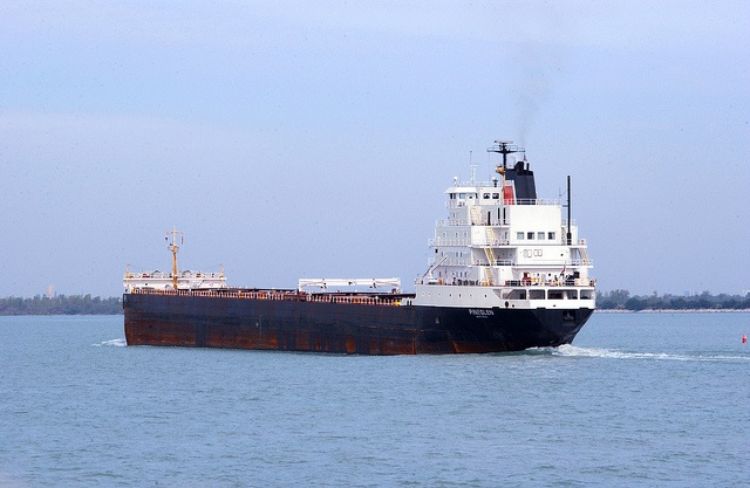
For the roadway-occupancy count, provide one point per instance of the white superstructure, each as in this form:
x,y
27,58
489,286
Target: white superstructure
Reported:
x,y
176,280
159,280
500,246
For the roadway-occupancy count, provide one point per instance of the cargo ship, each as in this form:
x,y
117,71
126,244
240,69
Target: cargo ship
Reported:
x,y
507,272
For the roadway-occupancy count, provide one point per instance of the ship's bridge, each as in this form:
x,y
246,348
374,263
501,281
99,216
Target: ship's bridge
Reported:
x,y
499,234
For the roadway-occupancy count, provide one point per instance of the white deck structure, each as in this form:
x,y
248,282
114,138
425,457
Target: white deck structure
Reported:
x,y
159,280
388,284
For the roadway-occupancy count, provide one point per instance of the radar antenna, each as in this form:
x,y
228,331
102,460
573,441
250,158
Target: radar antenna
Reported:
x,y
174,239
505,148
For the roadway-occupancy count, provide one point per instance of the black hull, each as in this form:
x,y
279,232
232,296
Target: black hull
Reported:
x,y
283,325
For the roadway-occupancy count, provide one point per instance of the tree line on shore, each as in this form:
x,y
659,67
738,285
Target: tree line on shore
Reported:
x,y
611,300
61,305
623,300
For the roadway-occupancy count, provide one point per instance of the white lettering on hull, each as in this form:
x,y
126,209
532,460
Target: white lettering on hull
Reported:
x,y
481,313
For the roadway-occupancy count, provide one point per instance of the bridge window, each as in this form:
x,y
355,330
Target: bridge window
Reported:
x,y
530,236
540,236
516,294
486,196
519,236
551,236
571,294
555,295
495,196
536,294
587,294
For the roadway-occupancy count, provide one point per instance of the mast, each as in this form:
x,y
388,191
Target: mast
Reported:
x,y
569,236
505,148
172,239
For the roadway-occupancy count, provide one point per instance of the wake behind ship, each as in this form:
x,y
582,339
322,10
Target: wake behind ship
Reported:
x,y
507,273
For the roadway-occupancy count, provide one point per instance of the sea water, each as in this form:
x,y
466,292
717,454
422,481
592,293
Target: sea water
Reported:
x,y
638,399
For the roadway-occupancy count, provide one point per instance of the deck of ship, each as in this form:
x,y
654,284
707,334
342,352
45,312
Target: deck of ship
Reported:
x,y
352,298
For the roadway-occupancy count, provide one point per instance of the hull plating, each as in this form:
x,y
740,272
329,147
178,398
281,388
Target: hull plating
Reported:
x,y
341,328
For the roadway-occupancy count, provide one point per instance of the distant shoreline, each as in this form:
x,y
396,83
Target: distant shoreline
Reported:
x,y
618,301
60,305
62,314
675,310
598,311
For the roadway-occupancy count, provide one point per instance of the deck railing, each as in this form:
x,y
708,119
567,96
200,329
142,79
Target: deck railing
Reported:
x,y
161,275
278,295
576,283
516,201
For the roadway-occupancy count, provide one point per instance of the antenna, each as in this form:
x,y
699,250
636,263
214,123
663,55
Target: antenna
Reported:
x,y
174,239
505,148
569,236
473,168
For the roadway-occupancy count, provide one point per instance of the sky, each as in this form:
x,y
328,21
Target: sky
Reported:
x,y
315,139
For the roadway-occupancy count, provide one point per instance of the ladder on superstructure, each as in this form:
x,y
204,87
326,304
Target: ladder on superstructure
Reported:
x,y
489,236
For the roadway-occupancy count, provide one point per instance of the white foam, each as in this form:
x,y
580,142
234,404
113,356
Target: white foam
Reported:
x,y
567,350
120,342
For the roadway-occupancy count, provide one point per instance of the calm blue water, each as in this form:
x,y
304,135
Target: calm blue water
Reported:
x,y
640,399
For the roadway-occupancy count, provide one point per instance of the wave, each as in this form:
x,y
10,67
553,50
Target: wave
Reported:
x,y
567,350
120,342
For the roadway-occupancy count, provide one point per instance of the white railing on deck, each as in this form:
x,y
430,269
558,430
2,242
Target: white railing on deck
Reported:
x,y
441,241
516,201
161,275
577,283
537,201
465,223
547,264
496,242
455,222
